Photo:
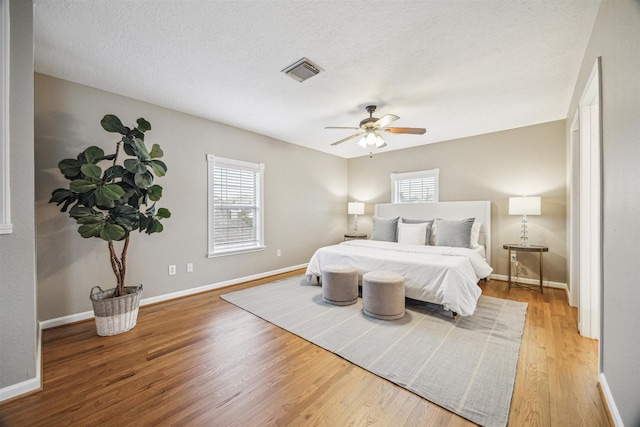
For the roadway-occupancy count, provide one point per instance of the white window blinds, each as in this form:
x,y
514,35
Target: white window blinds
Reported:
x,y
414,187
235,206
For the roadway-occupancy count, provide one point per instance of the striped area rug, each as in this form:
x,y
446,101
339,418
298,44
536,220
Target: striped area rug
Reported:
x,y
466,365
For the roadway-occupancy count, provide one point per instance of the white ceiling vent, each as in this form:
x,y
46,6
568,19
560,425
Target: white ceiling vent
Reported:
x,y
301,70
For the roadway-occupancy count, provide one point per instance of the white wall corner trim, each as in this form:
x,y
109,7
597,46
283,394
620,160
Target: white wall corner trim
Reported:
x,y
65,320
30,385
5,211
611,404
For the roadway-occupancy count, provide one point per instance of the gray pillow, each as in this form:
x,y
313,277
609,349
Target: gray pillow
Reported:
x,y
454,233
429,223
384,229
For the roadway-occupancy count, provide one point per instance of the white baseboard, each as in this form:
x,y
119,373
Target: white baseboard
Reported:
x,y
166,297
526,281
31,384
608,397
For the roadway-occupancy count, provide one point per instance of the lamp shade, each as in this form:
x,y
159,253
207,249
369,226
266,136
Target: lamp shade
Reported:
x,y
524,205
356,208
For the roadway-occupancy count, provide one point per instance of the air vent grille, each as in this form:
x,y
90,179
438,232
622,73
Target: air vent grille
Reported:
x,y
302,70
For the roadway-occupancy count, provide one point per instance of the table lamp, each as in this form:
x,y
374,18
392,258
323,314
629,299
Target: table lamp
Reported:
x,y
524,206
356,208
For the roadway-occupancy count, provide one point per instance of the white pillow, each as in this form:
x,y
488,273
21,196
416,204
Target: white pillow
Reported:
x,y
412,234
475,235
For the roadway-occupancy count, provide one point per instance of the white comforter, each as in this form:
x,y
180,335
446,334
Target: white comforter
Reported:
x,y
436,274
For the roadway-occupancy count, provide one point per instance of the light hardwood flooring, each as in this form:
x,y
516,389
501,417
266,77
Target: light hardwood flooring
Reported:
x,y
202,361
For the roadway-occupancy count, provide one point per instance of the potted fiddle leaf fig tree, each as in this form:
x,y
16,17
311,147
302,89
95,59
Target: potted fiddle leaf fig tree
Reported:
x,y
110,196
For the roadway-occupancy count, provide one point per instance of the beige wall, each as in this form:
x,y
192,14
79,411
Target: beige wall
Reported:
x,y
18,322
616,39
305,199
495,166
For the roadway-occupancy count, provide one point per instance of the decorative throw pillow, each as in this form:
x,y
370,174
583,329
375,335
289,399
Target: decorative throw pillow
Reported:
x,y
454,233
475,235
428,222
412,234
384,229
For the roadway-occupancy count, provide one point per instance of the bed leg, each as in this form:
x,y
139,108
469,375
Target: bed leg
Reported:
x,y
454,314
318,280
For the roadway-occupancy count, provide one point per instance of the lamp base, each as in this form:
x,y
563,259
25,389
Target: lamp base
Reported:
x,y
524,241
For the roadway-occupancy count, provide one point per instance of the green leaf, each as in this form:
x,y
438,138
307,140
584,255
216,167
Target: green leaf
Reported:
x,y
135,166
154,192
112,232
91,171
111,123
70,168
125,216
143,153
158,166
90,230
154,226
78,212
60,195
156,152
107,193
163,213
82,186
93,154
112,173
143,125
143,180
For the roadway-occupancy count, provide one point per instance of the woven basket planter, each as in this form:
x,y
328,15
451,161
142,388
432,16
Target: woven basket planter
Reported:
x,y
115,315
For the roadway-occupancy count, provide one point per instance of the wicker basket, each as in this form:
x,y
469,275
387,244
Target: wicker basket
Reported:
x,y
115,315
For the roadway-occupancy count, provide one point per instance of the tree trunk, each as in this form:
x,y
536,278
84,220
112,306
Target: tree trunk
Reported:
x,y
119,266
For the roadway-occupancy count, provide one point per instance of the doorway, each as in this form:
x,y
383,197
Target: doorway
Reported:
x,y
585,208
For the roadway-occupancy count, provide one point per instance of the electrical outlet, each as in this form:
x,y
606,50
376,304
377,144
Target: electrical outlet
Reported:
x,y
190,267
278,252
172,270
514,257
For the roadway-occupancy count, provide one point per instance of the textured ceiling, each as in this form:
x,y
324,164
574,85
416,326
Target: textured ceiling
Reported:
x,y
456,67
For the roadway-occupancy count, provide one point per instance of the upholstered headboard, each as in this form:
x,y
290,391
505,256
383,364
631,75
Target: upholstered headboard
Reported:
x,y
480,210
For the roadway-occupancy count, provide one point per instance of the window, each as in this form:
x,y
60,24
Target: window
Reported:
x,y
414,187
235,206
5,212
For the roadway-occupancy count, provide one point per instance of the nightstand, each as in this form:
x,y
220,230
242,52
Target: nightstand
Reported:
x,y
355,236
524,248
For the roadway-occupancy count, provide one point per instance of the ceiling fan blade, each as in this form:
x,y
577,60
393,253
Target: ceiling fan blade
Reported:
x,y
348,138
415,131
341,127
386,120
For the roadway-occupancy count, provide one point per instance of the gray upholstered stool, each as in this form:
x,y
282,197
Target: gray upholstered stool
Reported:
x,y
383,295
339,284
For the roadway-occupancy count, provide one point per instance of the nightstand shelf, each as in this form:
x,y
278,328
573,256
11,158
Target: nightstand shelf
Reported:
x,y
524,248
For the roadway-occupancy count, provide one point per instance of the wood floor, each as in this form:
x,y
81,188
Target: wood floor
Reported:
x,y
202,361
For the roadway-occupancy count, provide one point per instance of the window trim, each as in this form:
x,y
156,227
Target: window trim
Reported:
x,y
396,177
5,202
212,252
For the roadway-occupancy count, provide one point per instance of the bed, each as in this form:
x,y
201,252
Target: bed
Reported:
x,y
444,275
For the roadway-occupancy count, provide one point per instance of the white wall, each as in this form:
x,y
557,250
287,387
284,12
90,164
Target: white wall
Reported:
x,y
616,38
19,365
305,199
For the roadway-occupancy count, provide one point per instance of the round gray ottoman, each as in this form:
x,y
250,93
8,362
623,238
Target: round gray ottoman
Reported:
x,y
383,295
339,284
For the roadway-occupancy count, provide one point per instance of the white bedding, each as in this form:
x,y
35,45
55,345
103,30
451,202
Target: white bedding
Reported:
x,y
436,274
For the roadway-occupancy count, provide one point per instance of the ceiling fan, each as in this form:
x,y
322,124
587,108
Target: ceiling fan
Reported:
x,y
371,127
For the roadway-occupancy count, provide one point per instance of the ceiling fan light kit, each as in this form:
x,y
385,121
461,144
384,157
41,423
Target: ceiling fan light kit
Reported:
x,y
371,127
